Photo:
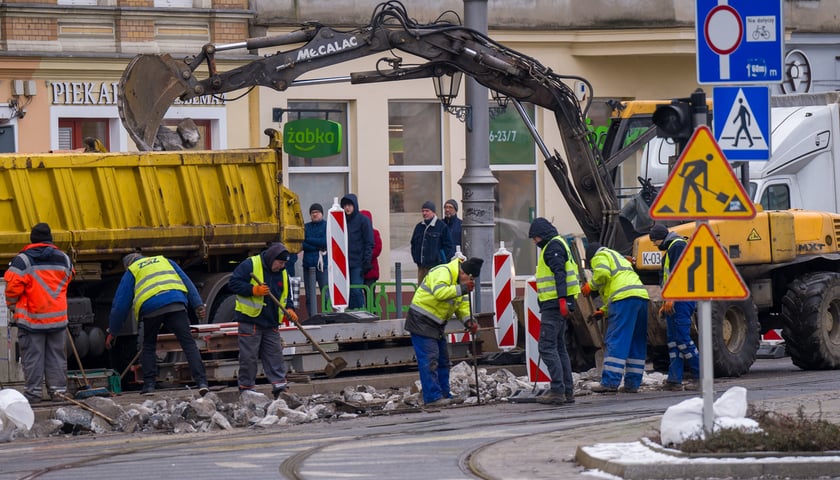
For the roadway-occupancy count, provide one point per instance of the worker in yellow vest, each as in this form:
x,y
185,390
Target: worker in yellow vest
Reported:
x,y
442,294
160,293
259,317
682,351
557,287
625,304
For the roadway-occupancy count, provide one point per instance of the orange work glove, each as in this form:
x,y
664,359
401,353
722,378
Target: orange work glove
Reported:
x,y
599,314
260,290
586,289
667,308
564,307
471,326
292,315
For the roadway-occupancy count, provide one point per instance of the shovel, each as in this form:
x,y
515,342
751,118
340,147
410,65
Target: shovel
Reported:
x,y
334,365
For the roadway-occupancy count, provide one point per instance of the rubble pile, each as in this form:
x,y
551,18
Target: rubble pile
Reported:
x,y
176,414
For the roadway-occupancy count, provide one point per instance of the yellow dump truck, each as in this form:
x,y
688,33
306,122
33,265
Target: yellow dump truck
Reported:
x,y
207,210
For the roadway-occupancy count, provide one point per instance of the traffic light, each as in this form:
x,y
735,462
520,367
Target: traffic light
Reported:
x,y
674,120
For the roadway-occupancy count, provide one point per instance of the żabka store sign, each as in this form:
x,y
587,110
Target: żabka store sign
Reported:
x,y
312,138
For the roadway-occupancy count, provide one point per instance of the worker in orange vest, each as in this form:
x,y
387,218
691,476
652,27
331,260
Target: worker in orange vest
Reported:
x,y
36,293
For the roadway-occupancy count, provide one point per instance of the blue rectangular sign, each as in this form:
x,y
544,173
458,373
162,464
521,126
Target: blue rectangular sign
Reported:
x,y
742,122
739,41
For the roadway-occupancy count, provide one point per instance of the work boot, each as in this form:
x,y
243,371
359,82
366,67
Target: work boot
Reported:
x,y
203,390
672,387
691,386
32,398
278,390
440,402
552,398
626,389
148,390
570,398
601,388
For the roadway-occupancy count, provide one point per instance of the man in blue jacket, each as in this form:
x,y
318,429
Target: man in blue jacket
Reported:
x,y
315,254
160,293
450,217
431,242
359,248
259,317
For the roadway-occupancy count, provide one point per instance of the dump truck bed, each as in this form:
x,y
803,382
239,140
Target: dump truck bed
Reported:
x,y
181,204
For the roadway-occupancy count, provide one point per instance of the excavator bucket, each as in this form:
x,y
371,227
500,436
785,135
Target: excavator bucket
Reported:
x,y
148,87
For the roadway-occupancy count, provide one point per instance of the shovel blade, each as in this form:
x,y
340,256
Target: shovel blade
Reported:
x,y
148,87
335,366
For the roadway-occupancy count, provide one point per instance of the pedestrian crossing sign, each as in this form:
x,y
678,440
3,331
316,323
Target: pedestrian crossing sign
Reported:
x,y
704,272
702,185
742,122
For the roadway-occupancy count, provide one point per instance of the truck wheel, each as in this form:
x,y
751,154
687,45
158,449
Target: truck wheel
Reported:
x,y
223,312
811,321
735,337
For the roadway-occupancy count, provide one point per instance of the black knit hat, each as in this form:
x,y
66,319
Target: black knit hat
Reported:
x,y
316,207
472,266
430,205
41,233
658,232
452,202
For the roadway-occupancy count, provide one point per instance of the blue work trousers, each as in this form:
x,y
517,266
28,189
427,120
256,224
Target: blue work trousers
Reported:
x,y
552,348
625,343
681,348
433,364
357,296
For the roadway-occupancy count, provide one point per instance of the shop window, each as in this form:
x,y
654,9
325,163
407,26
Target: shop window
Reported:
x,y
73,131
513,162
319,180
415,173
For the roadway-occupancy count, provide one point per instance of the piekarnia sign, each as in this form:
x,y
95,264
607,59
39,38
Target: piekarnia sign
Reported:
x,y
312,138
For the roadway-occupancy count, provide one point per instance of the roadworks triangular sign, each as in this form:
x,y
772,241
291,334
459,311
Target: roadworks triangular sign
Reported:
x,y
704,272
702,185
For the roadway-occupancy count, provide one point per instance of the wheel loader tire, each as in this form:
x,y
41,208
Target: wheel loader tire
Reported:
x,y
223,313
811,321
736,335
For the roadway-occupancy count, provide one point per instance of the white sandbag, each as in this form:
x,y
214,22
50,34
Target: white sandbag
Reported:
x,y
15,408
732,404
682,421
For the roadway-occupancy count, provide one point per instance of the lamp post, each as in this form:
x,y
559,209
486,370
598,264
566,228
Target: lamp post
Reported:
x,y
446,90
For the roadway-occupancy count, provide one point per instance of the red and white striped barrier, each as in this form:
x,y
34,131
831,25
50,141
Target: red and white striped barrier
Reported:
x,y
537,370
773,336
503,293
339,269
459,337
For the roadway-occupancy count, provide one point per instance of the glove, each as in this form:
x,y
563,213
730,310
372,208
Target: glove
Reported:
x,y
564,307
586,289
667,308
260,290
467,286
599,314
201,312
292,315
109,341
471,326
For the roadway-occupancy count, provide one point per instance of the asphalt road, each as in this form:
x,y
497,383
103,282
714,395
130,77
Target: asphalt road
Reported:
x,y
489,441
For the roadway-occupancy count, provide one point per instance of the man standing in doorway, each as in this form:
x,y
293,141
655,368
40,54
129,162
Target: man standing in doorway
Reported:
x,y
431,242
315,254
450,217
359,248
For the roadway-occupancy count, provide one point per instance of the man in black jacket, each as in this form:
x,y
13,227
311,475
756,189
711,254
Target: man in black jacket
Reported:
x,y
431,242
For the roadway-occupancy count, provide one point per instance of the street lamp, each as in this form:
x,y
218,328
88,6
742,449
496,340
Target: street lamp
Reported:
x,y
446,89
501,100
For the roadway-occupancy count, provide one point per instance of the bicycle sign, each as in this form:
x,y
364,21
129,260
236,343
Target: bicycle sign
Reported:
x,y
739,41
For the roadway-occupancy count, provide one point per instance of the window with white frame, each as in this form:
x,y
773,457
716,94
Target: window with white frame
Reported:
x,y
513,162
319,180
415,169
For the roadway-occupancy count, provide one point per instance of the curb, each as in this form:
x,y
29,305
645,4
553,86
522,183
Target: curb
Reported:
x,y
640,461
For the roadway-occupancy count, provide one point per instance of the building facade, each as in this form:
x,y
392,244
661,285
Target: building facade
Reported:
x,y
61,62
